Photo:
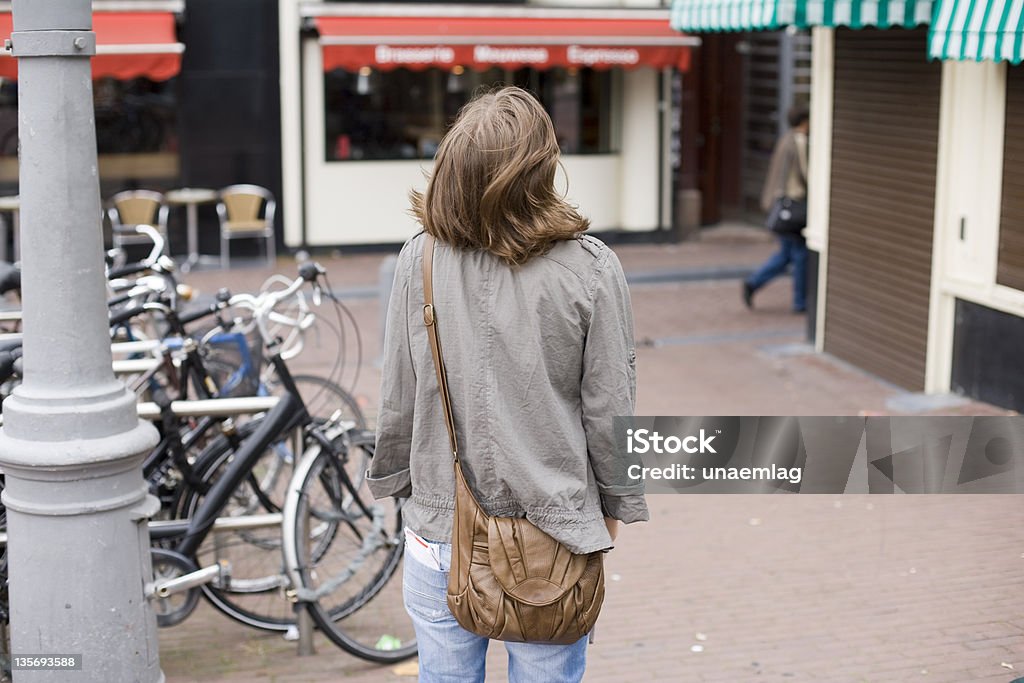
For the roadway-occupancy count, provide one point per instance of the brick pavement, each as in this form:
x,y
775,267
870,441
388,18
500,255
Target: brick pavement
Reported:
x,y
772,588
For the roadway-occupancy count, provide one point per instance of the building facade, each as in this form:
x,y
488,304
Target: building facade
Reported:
x,y
368,90
915,219
139,57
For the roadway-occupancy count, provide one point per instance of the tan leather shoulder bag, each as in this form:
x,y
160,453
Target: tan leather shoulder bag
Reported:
x,y
509,580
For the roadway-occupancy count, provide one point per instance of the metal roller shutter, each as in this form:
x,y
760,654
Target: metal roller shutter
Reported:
x,y
760,114
1011,228
885,140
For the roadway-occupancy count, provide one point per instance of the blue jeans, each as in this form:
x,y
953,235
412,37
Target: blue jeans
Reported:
x,y
792,249
450,653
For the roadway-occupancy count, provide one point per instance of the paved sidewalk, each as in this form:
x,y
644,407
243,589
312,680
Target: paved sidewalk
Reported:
x,y
727,588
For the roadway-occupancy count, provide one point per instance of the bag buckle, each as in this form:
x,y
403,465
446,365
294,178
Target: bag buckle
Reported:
x,y
428,314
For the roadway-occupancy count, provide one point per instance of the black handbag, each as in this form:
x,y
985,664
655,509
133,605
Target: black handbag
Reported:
x,y
787,216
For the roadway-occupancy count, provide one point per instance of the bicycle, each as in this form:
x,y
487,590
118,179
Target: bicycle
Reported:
x,y
353,544
183,482
331,531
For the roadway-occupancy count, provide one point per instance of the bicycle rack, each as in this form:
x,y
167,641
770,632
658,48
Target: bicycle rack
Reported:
x,y
200,577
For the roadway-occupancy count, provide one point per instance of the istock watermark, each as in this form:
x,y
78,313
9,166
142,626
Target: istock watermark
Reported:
x,y
772,454
645,440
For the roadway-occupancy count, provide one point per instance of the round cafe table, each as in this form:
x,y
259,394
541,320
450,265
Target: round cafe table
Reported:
x,y
11,205
191,198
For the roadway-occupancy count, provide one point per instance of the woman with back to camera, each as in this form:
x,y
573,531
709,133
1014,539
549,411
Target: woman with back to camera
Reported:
x,y
536,328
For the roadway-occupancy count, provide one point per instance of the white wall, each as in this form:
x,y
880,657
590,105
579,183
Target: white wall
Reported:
x,y
819,163
968,193
362,202
593,180
641,138
365,202
291,121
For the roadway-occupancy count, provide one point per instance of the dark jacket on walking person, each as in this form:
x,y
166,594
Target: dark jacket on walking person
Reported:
x,y
787,179
537,332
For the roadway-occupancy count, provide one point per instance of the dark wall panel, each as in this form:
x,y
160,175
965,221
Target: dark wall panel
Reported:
x,y
813,263
987,355
230,99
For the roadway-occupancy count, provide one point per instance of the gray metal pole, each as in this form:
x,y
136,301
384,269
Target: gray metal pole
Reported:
x,y
71,445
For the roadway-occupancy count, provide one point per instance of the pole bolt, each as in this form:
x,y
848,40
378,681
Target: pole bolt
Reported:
x,y
79,43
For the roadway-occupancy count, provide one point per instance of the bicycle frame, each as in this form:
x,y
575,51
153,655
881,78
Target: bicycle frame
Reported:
x,y
289,414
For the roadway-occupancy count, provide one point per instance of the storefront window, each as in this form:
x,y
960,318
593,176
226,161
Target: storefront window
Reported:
x,y
134,117
403,114
136,132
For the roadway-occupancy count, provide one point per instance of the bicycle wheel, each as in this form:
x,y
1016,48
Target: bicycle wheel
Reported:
x,y
254,593
342,554
322,397
5,602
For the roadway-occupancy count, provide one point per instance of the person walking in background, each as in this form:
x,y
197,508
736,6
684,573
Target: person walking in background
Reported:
x,y
784,197
535,322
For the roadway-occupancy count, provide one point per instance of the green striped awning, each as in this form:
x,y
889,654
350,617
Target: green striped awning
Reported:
x,y
695,16
978,29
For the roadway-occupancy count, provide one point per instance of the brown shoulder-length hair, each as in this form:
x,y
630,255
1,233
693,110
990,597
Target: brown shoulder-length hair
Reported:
x,y
493,185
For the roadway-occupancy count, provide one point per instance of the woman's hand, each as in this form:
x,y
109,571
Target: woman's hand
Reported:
x,y
613,527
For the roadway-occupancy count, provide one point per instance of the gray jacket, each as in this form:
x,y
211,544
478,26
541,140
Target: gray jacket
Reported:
x,y
540,358
787,171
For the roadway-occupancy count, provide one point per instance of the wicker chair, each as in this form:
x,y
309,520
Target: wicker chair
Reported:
x,y
136,207
239,210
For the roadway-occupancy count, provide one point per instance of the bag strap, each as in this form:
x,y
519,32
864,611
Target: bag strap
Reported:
x,y
800,167
430,320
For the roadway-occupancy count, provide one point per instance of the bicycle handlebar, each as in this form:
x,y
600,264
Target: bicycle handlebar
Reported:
x,y
129,269
129,313
158,242
199,314
156,260
125,315
263,304
118,300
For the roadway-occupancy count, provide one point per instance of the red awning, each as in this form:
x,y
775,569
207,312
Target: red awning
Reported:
x,y
419,42
128,45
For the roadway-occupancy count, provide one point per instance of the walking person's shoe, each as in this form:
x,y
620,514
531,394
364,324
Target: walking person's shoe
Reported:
x,y
748,295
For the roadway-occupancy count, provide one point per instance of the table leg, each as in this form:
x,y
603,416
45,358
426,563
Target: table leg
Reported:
x,y
16,237
192,218
3,237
